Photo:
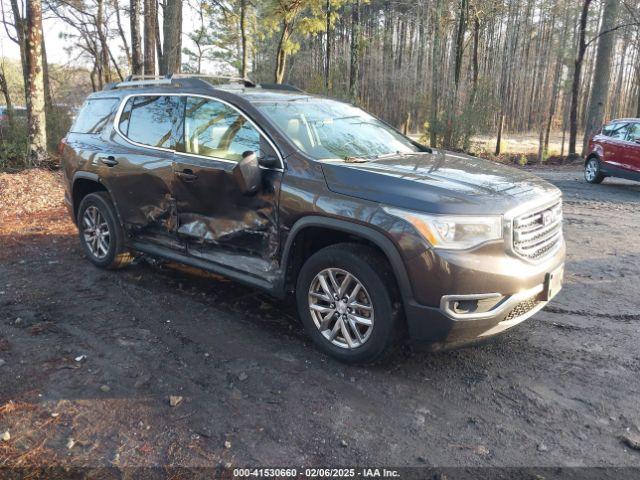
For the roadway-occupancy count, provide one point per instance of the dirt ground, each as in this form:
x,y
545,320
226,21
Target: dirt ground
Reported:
x,y
89,359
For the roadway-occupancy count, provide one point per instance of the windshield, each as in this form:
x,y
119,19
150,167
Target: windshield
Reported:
x,y
327,129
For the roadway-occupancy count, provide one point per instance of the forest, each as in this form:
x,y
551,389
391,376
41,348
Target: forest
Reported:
x,y
446,70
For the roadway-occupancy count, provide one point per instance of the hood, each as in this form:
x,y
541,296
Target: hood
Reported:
x,y
438,182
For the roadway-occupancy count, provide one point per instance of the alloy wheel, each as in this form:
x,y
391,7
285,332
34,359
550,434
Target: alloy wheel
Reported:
x,y
341,308
591,170
96,232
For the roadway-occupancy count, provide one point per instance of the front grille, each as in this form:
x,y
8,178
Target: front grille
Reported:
x,y
536,234
522,308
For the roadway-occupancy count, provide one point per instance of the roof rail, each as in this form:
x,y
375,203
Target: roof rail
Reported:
x,y
281,86
148,80
244,80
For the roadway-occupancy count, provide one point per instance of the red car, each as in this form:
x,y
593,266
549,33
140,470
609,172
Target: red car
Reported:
x,y
614,152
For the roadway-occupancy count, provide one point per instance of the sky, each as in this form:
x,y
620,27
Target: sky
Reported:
x,y
57,54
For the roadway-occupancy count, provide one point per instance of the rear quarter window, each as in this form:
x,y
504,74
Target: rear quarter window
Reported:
x,y
94,115
152,120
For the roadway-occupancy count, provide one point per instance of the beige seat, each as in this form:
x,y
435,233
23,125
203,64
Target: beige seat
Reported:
x,y
296,132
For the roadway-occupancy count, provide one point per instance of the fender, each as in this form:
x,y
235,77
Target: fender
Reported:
x,y
597,152
88,176
94,177
375,237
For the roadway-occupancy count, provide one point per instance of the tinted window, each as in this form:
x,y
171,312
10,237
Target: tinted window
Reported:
x,y
634,132
94,115
213,129
152,120
618,131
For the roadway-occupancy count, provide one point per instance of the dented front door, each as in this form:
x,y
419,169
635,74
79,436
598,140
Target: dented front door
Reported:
x,y
219,223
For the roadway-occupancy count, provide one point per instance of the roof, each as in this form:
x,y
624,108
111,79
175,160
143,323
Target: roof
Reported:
x,y
625,120
242,87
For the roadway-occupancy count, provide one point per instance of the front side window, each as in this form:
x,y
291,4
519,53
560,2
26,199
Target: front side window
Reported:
x,y
213,129
618,131
151,121
634,132
327,129
94,115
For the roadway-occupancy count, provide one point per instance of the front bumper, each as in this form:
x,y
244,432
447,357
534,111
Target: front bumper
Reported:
x,y
521,294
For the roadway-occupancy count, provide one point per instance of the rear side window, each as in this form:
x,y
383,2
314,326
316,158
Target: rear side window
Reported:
x,y
94,115
151,121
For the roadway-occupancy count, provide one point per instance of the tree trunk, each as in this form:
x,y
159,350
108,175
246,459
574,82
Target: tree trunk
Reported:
x,y
21,32
150,18
5,93
354,71
37,147
123,37
244,64
577,77
600,88
476,43
104,48
158,39
172,27
281,54
48,100
433,122
327,68
136,47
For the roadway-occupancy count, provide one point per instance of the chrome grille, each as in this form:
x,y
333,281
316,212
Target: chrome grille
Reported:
x,y
537,234
522,308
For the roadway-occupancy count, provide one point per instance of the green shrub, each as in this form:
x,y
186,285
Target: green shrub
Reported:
x,y
13,146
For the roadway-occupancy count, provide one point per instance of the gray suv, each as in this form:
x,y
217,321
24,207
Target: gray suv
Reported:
x,y
378,237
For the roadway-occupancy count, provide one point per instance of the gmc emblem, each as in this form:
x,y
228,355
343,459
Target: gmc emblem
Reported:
x,y
548,217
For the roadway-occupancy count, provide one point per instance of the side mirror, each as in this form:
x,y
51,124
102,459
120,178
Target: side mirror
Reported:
x,y
247,174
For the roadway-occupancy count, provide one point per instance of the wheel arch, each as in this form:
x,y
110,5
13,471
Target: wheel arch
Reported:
x,y
344,231
85,183
591,156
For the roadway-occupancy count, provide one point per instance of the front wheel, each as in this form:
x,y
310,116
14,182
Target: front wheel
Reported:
x,y
592,172
346,300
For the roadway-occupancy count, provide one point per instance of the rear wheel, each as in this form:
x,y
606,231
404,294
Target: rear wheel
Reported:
x,y
100,233
592,172
346,300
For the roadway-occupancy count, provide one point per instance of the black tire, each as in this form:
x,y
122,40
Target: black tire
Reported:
x,y
592,172
116,256
372,270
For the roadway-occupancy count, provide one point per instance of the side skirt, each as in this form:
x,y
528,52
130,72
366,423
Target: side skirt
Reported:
x,y
273,288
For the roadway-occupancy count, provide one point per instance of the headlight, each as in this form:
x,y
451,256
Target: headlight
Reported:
x,y
452,232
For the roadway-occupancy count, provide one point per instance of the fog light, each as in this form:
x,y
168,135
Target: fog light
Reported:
x,y
465,306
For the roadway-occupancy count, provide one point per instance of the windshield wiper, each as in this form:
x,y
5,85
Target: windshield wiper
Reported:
x,y
355,160
387,155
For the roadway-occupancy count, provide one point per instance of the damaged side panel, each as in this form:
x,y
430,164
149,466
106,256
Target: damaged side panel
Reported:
x,y
222,225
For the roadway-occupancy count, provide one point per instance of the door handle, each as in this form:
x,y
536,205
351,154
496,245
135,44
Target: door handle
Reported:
x,y
109,161
187,175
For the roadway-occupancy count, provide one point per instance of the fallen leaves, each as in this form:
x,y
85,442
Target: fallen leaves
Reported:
x,y
30,191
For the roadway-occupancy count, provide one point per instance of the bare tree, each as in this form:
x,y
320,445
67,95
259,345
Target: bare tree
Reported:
x,y
602,79
172,27
355,47
4,87
136,42
577,77
244,39
37,146
150,21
